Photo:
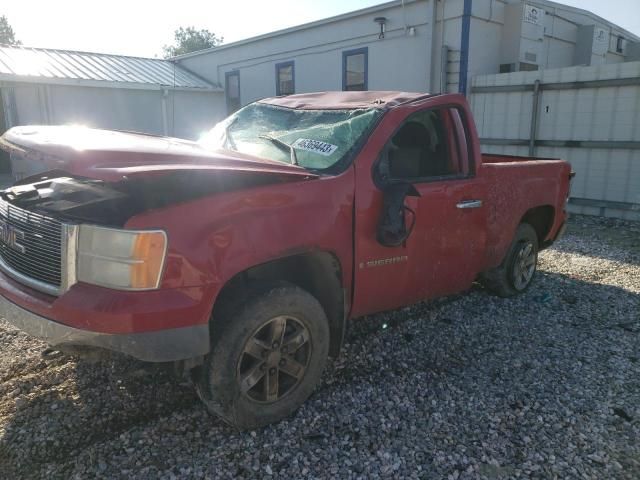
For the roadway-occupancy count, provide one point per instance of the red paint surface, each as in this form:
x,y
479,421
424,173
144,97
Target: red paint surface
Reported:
x,y
111,155
98,309
214,238
449,247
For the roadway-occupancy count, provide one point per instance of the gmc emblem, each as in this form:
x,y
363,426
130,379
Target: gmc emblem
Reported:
x,y
11,237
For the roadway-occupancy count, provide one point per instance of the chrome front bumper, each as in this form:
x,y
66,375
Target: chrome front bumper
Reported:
x,y
159,346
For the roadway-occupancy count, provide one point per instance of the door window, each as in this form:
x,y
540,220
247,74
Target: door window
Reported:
x,y
430,145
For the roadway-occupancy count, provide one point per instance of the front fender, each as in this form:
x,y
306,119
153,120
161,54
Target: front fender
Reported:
x,y
212,239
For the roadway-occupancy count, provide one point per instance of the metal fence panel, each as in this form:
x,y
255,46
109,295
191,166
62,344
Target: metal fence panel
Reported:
x,y
587,115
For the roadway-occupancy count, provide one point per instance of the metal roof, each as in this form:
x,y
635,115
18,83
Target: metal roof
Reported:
x,y
97,69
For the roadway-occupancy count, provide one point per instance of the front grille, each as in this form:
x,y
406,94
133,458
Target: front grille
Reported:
x,y
41,240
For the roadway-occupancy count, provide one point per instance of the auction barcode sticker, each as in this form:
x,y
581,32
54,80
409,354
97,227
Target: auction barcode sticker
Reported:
x,y
315,146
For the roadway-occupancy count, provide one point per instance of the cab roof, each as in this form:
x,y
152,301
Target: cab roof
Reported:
x,y
344,100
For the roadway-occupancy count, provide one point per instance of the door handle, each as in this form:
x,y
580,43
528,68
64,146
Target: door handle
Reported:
x,y
469,204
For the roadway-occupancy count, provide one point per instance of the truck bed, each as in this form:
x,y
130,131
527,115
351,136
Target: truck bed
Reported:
x,y
514,184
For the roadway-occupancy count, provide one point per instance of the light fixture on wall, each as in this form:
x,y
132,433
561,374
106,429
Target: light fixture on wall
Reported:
x,y
382,21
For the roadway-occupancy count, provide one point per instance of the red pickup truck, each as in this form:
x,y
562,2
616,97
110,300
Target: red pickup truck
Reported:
x,y
243,256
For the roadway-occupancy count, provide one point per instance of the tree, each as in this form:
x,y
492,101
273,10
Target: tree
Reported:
x,y
7,35
191,40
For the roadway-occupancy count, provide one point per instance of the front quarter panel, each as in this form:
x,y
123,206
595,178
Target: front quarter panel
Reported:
x,y
214,238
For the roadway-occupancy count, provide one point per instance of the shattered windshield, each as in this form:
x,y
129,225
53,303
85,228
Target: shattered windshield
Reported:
x,y
314,139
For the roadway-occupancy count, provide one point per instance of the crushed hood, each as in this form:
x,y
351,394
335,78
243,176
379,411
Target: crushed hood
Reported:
x,y
113,155
106,177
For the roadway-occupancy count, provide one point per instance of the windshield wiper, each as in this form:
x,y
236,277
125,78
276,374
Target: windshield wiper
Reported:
x,y
283,146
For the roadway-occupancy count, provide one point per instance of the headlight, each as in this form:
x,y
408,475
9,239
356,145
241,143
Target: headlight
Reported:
x,y
121,259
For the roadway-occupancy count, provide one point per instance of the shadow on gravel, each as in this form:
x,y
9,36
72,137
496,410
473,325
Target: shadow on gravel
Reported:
x,y
96,402
469,371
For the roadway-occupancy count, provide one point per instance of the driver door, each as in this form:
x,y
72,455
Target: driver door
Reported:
x,y
445,250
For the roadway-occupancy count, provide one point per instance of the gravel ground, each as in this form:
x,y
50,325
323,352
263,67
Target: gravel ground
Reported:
x,y
545,385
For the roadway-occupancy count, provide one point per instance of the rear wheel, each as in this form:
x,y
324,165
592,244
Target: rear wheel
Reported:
x,y
518,269
266,357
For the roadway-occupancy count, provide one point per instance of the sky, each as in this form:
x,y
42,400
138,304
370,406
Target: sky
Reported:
x,y
143,27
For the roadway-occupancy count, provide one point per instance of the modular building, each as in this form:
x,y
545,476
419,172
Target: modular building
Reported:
x,y
420,45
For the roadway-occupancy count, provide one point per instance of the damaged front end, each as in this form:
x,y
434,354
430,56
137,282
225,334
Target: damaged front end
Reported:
x,y
106,185
85,200
73,267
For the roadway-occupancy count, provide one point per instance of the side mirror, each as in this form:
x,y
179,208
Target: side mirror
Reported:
x,y
392,226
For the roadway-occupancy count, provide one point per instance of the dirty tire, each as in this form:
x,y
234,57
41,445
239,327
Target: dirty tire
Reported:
x,y
218,381
506,280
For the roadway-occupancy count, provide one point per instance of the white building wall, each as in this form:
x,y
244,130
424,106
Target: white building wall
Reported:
x,y
400,61
109,108
448,33
23,102
190,114
185,114
487,24
562,24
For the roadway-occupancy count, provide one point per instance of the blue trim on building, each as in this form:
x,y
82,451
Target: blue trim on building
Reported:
x,y
464,47
357,51
291,64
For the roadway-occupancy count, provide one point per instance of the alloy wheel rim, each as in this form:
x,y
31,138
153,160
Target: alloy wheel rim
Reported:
x,y
524,266
274,359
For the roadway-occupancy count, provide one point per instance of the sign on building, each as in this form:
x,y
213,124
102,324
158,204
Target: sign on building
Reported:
x,y
601,36
533,14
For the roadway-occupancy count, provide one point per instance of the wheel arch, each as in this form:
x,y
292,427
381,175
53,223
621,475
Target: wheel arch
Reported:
x,y
318,272
541,218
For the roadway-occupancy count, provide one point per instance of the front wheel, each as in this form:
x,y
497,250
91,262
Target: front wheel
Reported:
x,y
266,357
516,272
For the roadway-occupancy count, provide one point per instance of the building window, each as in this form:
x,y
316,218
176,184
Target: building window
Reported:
x,y
285,79
355,65
528,67
507,67
620,45
232,91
